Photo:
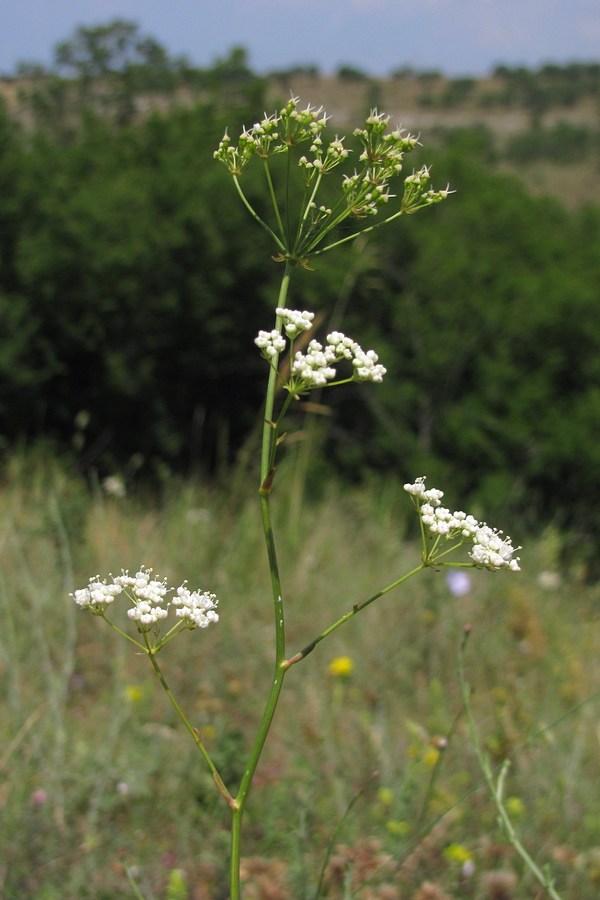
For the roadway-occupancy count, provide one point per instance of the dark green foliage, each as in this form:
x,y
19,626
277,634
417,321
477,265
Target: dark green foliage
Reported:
x,y
563,143
474,143
350,73
549,86
117,279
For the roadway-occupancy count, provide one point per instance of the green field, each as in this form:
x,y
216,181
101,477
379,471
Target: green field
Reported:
x,y
98,777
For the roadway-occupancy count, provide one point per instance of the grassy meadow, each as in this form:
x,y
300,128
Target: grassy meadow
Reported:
x,y
101,788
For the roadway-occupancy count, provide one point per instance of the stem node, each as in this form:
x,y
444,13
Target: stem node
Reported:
x,y
265,488
288,663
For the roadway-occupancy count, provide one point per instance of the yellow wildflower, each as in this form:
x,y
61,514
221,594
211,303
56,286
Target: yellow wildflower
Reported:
x,y
456,853
341,667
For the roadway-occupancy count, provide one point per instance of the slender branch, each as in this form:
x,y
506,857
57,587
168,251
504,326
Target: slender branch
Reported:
x,y
298,247
356,234
268,435
255,215
358,607
125,635
334,836
190,728
274,202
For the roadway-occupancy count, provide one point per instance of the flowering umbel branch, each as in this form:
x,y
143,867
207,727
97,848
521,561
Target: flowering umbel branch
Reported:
x,y
443,532
151,604
316,367
360,195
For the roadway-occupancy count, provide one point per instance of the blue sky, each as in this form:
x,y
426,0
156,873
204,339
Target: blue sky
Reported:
x,y
377,36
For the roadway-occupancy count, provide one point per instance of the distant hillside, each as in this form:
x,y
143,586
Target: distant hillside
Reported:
x,y
543,126
550,138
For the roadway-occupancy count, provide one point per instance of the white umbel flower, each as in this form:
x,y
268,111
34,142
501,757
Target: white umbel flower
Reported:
x,y
151,600
271,343
491,549
147,614
196,608
97,595
295,321
367,366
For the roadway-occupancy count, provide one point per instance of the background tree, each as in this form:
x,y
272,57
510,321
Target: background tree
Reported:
x,y
102,69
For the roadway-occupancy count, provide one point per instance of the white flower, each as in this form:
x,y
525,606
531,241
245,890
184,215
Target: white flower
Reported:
x,y
367,367
196,607
312,367
491,550
295,321
149,597
147,614
97,595
418,489
316,367
343,347
270,342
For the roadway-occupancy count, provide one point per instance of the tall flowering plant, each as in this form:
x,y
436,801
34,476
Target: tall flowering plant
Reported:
x,y
364,199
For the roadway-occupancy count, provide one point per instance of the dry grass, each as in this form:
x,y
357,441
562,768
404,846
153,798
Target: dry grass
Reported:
x,y
98,776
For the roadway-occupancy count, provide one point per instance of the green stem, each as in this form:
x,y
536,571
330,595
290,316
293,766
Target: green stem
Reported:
x,y
125,635
351,612
255,215
352,237
298,248
274,201
190,728
266,479
268,436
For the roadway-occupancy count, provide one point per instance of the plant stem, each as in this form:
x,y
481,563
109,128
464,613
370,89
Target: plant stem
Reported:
x,y
255,215
268,432
267,471
351,237
351,612
193,731
274,201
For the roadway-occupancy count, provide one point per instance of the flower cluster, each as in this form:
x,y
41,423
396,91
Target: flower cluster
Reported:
x,y
361,194
382,154
324,160
417,194
276,134
300,125
315,367
490,550
270,343
195,609
365,193
383,149
293,321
